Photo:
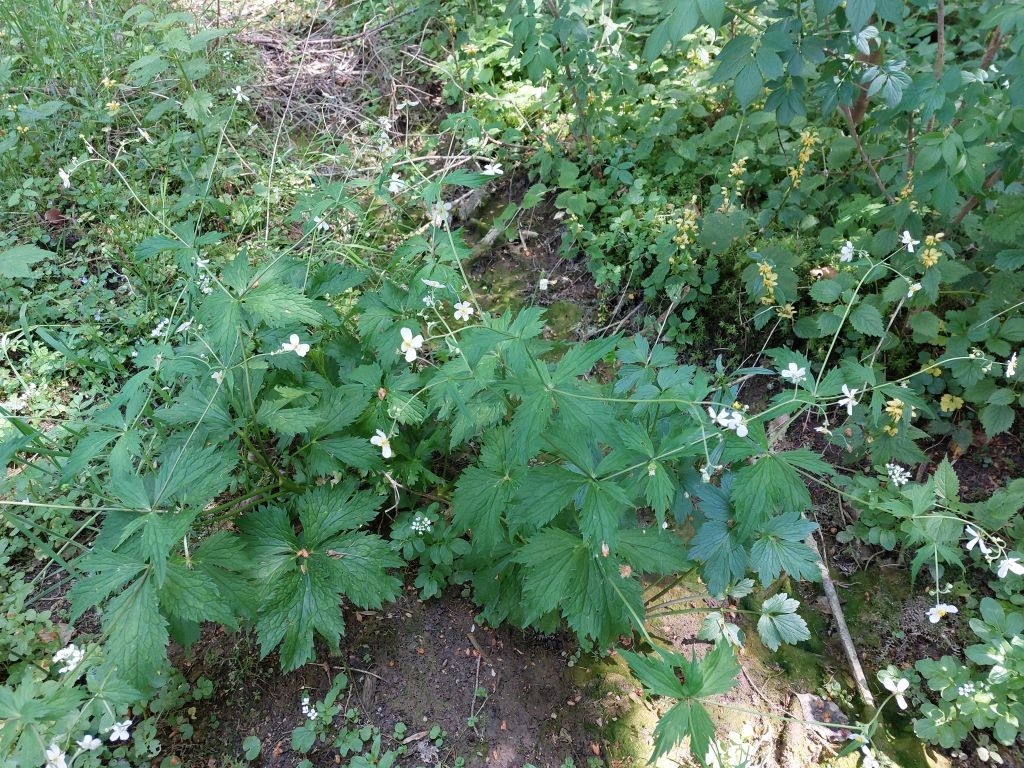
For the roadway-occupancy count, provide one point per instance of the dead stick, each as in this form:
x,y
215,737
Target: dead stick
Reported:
x,y
844,633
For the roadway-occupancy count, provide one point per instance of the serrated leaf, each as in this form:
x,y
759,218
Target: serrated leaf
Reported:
x,y
136,633
996,419
279,306
779,623
17,261
866,319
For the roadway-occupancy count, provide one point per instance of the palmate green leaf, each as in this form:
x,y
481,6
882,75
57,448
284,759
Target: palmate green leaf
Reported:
x,y
283,421
484,492
602,604
136,633
279,306
303,576
770,485
190,594
721,551
779,622
223,559
780,547
670,674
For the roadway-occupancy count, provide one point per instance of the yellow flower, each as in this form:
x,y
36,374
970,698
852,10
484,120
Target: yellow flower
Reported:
x,y
738,168
891,429
106,82
934,239
894,408
930,257
22,129
949,403
113,106
787,311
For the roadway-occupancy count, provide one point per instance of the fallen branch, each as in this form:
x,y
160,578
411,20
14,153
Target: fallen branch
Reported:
x,y
832,596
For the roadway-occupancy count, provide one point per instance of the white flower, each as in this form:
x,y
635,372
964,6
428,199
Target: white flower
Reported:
x,y
381,441
847,252
738,424
824,430
119,731
1011,366
908,241
914,288
239,94
421,524
463,310
217,376
397,185
55,757
492,169
69,657
89,743
1010,565
294,345
429,301
794,373
868,759
158,330
431,283
184,326
202,263
975,537
546,282
321,225
410,344
440,215
940,610
897,475
65,178
899,687
849,400
311,713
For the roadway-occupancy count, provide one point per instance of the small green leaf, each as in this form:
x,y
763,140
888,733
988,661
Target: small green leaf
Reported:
x,y
17,261
780,623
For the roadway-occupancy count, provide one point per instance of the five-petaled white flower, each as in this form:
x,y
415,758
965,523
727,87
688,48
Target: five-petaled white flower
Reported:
x,y
1011,366
794,373
89,743
1010,565
440,215
730,419
294,345
849,400
914,288
463,310
431,283
397,185
975,538
907,239
321,224
239,94
410,344
899,687
55,757
939,611
217,376
65,178
119,731
492,169
381,441
847,252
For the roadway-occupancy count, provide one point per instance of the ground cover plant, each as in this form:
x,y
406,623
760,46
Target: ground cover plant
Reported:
x,y
267,373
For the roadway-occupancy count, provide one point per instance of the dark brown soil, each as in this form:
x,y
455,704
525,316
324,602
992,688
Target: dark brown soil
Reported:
x,y
417,663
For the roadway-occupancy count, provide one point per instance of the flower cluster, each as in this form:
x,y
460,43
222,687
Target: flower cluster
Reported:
x,y
421,524
685,224
897,475
930,255
69,658
808,141
308,709
770,278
